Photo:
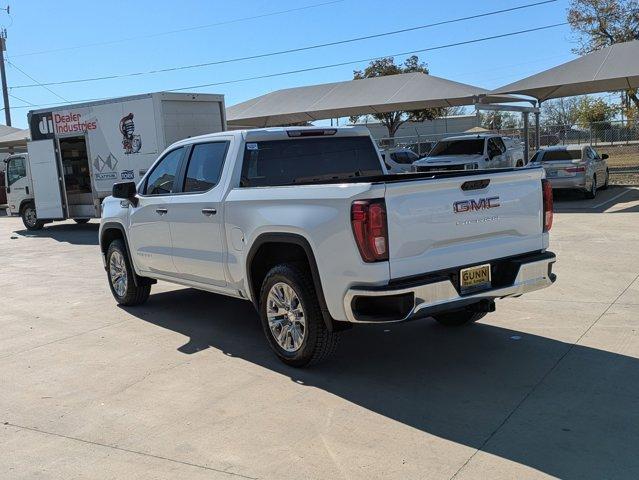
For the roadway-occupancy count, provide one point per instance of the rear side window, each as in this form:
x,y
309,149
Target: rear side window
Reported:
x,y
205,166
161,181
308,160
559,155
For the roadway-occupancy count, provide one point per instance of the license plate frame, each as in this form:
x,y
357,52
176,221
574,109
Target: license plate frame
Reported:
x,y
552,173
472,279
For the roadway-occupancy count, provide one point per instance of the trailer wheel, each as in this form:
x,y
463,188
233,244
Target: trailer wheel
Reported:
x,y
29,217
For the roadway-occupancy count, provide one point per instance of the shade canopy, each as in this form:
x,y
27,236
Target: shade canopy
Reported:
x,y
407,91
606,70
11,137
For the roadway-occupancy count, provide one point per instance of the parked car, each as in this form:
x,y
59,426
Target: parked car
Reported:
x,y
472,152
305,224
399,160
574,167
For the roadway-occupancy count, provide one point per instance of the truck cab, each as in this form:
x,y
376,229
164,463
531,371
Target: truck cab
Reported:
x,y
19,188
472,152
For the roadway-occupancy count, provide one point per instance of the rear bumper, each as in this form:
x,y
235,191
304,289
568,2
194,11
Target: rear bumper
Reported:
x,y
438,292
576,182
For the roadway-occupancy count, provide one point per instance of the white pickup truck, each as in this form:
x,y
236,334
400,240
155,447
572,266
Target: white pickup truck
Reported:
x,y
472,152
307,225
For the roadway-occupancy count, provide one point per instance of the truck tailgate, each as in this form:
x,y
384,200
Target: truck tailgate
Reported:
x,y
434,224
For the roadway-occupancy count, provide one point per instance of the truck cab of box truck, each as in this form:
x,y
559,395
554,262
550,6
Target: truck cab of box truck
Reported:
x,y
20,189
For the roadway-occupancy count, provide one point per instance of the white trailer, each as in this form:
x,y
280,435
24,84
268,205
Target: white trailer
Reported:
x,y
77,152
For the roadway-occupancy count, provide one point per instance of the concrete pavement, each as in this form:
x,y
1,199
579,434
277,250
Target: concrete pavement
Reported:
x,y
186,387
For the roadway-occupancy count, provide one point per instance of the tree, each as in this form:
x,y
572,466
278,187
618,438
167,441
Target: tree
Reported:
x,y
386,66
601,23
591,110
561,111
497,120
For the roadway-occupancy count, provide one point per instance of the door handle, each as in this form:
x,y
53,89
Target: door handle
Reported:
x,y
161,211
209,211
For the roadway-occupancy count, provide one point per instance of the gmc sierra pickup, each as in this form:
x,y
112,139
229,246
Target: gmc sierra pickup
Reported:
x,y
307,224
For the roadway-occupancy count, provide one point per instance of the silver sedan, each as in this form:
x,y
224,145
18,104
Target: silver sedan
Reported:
x,y
575,167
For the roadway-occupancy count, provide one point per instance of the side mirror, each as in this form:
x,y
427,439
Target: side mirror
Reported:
x,y
604,156
126,191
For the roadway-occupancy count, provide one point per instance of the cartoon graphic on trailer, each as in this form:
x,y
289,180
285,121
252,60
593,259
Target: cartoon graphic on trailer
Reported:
x,y
131,142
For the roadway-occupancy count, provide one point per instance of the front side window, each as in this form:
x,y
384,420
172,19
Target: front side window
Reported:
x,y
16,169
500,144
205,166
309,160
161,181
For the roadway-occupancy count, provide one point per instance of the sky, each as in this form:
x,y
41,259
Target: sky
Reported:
x,y
58,41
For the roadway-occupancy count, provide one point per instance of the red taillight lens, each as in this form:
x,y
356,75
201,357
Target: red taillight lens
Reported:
x,y
575,169
548,208
368,218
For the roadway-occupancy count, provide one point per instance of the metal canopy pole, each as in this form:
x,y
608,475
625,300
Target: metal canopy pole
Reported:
x,y
526,142
537,129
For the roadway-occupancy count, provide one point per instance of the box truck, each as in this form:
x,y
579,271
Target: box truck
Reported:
x,y
77,152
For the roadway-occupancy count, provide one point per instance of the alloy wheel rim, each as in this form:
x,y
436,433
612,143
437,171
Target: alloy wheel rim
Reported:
x,y
118,273
286,317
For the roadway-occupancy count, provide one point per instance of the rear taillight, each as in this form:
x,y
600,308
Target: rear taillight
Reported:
x,y
575,169
548,209
368,218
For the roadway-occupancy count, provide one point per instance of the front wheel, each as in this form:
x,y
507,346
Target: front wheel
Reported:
x,y
29,217
291,317
121,277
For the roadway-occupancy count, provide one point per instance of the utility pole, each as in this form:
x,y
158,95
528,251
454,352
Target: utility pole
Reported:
x,y
5,89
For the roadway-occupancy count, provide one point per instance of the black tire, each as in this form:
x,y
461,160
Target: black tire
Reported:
x,y
607,183
81,221
592,193
458,318
318,342
132,294
29,217
520,163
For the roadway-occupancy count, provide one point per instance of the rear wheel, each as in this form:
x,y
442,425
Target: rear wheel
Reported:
x,y
520,163
121,277
458,318
592,193
291,317
29,217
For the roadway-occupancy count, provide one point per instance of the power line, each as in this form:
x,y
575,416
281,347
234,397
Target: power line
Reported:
x,y
29,104
37,83
180,30
309,69
292,50
341,64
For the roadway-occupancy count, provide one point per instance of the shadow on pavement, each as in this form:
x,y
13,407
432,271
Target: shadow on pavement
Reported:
x,y
75,234
569,201
458,384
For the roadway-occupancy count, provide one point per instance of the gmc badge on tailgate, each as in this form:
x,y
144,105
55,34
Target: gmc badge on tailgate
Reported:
x,y
476,205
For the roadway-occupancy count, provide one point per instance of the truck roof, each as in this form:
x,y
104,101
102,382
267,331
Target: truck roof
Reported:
x,y
282,133
470,137
164,95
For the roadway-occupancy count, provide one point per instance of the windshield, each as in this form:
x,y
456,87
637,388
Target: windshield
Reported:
x,y
474,146
559,155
